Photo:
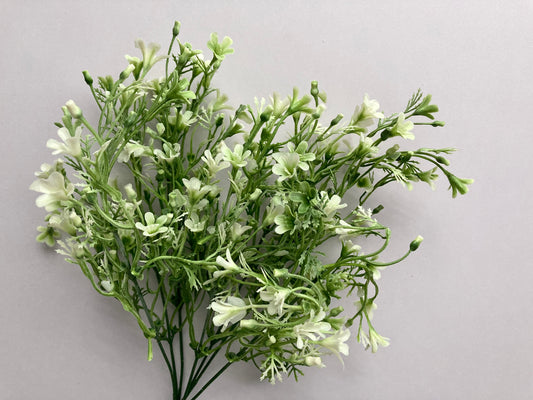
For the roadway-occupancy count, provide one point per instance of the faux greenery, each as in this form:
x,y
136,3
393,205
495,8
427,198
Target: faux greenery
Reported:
x,y
206,224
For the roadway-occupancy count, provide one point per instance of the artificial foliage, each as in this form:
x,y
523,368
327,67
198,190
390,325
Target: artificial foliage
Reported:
x,y
207,223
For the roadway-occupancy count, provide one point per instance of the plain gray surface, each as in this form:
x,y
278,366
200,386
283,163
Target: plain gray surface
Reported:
x,y
458,311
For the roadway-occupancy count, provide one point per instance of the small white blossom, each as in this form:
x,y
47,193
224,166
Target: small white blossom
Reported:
x,y
71,144
228,311
403,128
236,230
132,148
214,164
313,329
275,297
53,189
47,169
67,221
194,224
287,165
335,343
331,205
169,153
377,340
153,226
227,264
238,157
365,113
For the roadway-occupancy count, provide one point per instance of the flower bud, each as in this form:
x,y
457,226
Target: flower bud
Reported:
x,y
88,79
126,73
438,123
255,195
176,28
314,89
249,324
336,120
442,160
336,311
73,109
130,192
416,243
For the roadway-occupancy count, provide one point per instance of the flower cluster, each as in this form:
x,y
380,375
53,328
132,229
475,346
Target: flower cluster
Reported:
x,y
181,210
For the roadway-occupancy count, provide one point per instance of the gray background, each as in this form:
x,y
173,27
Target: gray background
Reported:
x,y
458,311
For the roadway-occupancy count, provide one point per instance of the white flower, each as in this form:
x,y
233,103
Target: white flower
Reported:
x,y
313,329
228,311
301,150
214,164
131,148
335,343
67,221
275,297
149,53
287,165
54,191
47,169
330,205
194,224
377,340
228,264
70,145
197,190
403,128
236,230
169,153
153,226
364,114
238,157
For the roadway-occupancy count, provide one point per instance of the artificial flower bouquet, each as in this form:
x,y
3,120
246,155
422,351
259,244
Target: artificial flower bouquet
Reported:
x,y
209,225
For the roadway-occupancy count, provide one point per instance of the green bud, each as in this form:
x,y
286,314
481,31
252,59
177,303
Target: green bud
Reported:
x,y
176,28
438,123
336,311
219,120
442,160
385,134
88,79
336,120
265,115
364,182
314,89
416,243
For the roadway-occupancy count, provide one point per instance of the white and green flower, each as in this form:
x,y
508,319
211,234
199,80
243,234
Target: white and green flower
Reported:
x,y
238,157
313,329
194,224
214,164
336,342
403,128
365,113
54,190
133,149
70,145
153,226
229,310
276,297
287,165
